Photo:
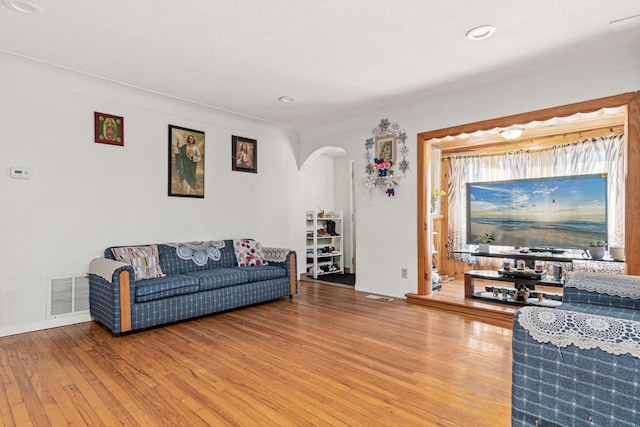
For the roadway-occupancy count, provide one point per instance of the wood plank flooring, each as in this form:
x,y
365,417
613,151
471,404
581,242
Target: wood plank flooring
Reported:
x,y
327,357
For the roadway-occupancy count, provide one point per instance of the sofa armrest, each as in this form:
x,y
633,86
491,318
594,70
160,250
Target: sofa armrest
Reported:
x,y
108,269
613,290
110,293
287,259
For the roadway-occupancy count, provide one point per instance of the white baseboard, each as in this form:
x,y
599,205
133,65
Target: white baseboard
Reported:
x,y
45,324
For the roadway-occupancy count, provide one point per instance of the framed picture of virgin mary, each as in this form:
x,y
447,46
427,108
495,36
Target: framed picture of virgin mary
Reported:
x,y
386,148
109,129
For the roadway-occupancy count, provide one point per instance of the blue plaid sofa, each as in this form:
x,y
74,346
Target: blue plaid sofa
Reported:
x,y
579,364
197,279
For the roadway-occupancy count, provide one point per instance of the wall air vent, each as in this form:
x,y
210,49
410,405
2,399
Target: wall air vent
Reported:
x,y
68,295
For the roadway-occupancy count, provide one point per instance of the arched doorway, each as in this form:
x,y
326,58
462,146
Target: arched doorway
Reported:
x,y
328,185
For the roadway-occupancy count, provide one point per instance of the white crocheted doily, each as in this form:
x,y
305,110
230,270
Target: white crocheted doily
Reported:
x,y
198,252
563,328
276,254
610,284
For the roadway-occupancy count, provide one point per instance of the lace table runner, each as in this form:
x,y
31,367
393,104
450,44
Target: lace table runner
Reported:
x,y
586,331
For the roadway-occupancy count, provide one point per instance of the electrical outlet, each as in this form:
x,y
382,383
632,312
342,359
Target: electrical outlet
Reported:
x,y
404,273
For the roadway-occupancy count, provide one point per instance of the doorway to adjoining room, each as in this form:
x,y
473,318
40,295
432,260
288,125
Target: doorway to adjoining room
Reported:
x,y
330,239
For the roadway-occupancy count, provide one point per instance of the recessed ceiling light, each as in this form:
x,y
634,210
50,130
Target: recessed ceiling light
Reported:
x,y
286,99
480,33
23,6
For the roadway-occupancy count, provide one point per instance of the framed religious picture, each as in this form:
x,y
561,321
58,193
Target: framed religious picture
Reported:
x,y
386,148
186,162
244,154
108,129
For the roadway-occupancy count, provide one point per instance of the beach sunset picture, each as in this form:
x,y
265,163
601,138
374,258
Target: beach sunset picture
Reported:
x,y
560,212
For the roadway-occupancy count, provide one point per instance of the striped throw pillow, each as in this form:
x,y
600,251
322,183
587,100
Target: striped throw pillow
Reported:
x,y
143,259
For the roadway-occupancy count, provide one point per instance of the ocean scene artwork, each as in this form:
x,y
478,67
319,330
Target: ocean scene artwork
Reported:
x,y
559,212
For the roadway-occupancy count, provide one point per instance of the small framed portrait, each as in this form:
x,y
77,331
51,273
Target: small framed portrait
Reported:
x,y
109,129
244,154
386,148
186,162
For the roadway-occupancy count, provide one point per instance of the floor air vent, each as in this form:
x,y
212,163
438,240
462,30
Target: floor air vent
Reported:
x,y
379,298
68,295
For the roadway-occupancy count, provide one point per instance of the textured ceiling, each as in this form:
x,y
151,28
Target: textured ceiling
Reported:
x,y
336,57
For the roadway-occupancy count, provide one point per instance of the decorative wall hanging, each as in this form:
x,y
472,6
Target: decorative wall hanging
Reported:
x,y
108,129
186,162
244,154
386,151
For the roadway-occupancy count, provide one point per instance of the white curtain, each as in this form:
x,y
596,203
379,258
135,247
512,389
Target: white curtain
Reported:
x,y
596,155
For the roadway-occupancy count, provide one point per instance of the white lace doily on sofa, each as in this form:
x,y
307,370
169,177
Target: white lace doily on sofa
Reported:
x,y
199,252
563,328
615,285
276,254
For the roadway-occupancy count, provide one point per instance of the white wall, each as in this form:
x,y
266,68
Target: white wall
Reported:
x,y
86,196
318,178
386,228
342,198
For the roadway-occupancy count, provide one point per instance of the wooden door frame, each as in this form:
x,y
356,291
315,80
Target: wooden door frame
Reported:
x,y
632,198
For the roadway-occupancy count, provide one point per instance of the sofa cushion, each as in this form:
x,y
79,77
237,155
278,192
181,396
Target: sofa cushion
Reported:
x,y
172,263
265,272
219,277
249,252
143,259
168,286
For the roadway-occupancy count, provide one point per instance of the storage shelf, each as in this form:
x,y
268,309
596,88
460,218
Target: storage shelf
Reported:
x,y
317,260
329,272
322,255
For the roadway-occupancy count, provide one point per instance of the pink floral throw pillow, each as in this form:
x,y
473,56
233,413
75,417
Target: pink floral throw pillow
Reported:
x,y
248,252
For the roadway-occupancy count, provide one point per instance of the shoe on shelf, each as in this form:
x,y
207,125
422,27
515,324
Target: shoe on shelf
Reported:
x,y
331,228
323,233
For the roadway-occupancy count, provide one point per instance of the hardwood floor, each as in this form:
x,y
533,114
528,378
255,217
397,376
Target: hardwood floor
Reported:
x,y
328,356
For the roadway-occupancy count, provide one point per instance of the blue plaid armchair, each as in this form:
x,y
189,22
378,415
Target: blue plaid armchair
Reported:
x,y
579,364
